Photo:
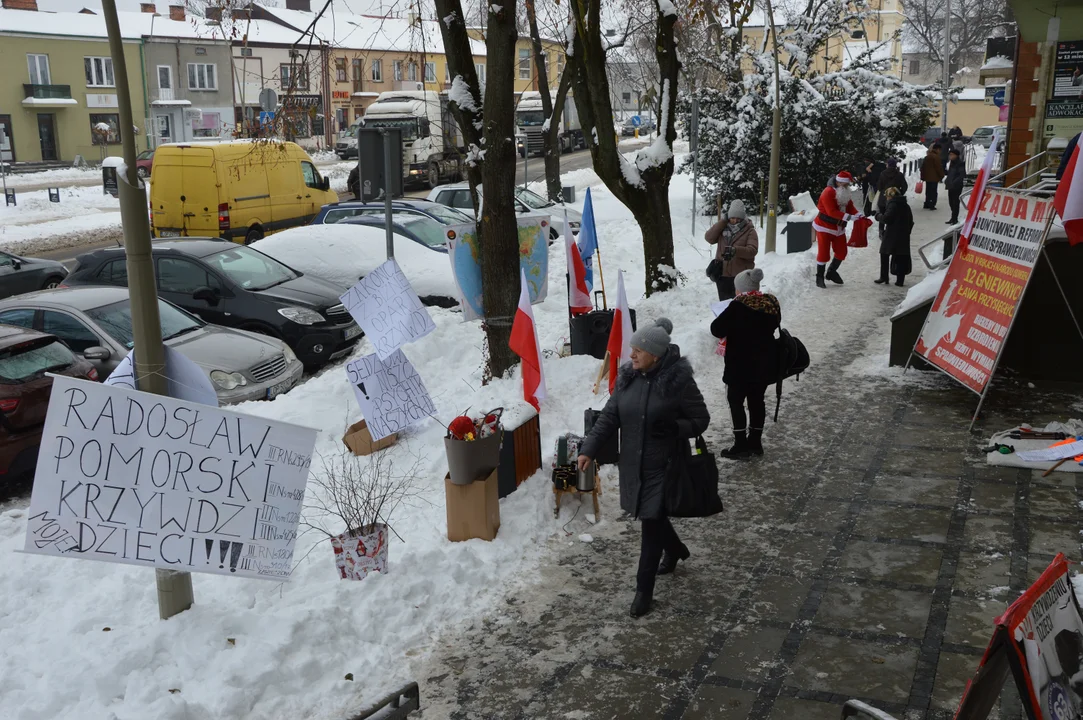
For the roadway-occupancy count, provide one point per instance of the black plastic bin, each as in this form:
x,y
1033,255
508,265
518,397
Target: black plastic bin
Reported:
x,y
798,236
590,332
609,453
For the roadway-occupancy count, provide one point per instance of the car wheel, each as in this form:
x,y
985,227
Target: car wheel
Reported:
x,y
253,234
143,173
434,175
52,282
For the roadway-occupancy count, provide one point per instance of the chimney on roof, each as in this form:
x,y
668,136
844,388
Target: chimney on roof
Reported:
x,y
176,12
147,7
20,5
302,5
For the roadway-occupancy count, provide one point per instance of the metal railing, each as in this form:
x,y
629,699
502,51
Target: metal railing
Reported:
x,y
948,239
47,92
396,706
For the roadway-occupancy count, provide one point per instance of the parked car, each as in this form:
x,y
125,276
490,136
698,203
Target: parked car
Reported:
x,y
238,287
25,358
239,191
23,274
433,210
97,323
457,195
984,135
646,127
144,162
418,228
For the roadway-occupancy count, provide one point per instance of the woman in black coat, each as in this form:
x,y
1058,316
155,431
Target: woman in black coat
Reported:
x,y
748,324
898,221
954,181
656,406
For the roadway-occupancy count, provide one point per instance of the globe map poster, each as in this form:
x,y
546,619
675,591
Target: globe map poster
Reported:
x,y
533,259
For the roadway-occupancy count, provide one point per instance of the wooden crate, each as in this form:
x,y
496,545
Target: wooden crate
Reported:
x,y
520,455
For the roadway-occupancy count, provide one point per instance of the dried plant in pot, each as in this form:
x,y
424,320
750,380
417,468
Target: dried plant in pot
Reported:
x,y
472,446
361,494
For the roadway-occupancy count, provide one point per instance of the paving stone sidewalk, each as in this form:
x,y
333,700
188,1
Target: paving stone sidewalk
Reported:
x,y
864,557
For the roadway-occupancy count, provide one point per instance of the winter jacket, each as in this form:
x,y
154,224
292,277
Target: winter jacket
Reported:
x,y
873,177
932,170
743,239
898,222
956,175
641,402
748,323
955,134
353,185
945,148
891,177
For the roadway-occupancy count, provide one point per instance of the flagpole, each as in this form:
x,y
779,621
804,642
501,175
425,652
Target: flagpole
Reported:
x,y
601,277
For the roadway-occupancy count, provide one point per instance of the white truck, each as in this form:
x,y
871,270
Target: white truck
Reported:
x,y
530,124
432,146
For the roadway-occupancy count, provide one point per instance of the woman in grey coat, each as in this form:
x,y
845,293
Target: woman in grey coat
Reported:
x,y
656,406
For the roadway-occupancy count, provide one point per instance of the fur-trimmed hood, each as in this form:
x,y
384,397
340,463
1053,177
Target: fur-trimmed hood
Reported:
x,y
672,372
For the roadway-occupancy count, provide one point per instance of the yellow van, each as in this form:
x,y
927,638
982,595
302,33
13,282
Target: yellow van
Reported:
x,y
235,190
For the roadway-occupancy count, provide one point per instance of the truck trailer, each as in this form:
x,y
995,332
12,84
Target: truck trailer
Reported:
x,y
530,125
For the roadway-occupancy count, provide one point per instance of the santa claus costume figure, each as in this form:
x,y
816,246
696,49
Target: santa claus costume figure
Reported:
x,y
836,208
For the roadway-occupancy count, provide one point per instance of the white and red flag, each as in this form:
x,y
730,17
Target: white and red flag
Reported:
x,y
977,193
620,335
1069,198
524,343
578,292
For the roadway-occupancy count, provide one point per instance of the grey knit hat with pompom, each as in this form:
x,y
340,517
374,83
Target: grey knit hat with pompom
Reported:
x,y
653,339
748,280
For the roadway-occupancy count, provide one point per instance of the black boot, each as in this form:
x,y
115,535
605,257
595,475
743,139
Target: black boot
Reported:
x,y
833,272
820,276
669,562
739,451
882,280
755,441
899,280
641,605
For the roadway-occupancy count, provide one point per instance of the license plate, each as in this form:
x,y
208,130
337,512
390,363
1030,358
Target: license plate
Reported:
x,y
278,388
353,331
169,233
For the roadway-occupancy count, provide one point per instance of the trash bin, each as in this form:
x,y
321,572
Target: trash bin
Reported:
x,y
568,193
798,232
590,332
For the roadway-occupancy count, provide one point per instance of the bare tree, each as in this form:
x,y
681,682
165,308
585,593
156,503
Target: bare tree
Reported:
x,y
642,185
972,22
552,108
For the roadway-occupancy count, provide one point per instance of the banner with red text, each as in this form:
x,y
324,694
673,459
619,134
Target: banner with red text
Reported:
x,y
969,320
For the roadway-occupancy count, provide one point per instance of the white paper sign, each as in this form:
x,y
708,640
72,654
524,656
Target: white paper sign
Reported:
x,y
1052,454
388,309
719,307
186,380
148,480
391,394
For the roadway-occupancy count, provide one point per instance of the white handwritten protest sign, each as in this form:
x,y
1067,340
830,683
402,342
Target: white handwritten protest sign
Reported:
x,y
149,480
186,380
387,309
391,394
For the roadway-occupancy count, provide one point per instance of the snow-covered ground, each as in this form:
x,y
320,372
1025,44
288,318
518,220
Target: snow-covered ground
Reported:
x,y
252,649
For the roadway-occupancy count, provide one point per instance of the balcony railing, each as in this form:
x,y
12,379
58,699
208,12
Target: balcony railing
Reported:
x,y
47,92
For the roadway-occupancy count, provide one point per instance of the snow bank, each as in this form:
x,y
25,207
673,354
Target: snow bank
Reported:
x,y
923,292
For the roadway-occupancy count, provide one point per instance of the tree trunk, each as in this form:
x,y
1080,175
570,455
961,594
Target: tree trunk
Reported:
x,y
552,111
643,186
552,138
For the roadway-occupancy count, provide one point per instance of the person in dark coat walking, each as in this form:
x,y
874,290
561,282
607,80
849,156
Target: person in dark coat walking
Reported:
x,y
656,405
748,324
945,145
890,177
932,172
736,244
353,184
895,247
954,181
873,170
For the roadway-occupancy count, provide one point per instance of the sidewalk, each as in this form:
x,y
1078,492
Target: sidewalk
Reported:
x,y
865,556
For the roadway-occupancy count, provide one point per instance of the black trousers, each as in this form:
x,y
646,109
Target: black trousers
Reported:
x,y
658,537
953,203
885,266
931,189
738,394
726,290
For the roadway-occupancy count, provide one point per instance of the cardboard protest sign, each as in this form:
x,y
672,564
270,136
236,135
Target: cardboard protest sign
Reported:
x,y
970,318
390,393
387,309
154,481
186,380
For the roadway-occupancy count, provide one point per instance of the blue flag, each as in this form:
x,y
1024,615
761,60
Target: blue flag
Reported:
x,y
588,239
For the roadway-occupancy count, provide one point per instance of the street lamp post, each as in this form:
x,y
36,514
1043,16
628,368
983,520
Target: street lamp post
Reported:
x,y
776,141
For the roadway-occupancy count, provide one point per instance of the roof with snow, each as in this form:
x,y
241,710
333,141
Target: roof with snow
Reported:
x,y
133,25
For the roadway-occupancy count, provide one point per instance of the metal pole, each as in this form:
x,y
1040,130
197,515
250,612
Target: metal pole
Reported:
x,y
776,142
174,588
694,147
386,136
947,67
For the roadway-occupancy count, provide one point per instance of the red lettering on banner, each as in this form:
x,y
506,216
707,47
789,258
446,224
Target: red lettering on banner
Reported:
x,y
984,201
1021,209
1006,205
1039,211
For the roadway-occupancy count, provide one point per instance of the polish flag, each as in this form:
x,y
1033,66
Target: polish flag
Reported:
x,y
620,336
976,195
524,343
1069,198
578,293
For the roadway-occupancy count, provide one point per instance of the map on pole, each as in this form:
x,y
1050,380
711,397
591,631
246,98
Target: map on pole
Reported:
x,y
533,259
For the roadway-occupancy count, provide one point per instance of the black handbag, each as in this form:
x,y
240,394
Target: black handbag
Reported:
x,y
693,492
715,270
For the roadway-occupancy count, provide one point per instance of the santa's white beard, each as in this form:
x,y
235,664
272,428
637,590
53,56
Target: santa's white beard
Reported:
x,y
843,196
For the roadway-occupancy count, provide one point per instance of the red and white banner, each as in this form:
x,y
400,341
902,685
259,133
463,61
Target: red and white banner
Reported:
x,y
524,343
1069,197
981,292
578,292
619,346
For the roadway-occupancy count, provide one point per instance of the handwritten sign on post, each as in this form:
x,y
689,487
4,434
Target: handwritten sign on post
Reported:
x,y
149,480
387,309
390,393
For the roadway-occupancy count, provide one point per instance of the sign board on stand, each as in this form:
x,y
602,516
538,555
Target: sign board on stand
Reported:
x,y
391,394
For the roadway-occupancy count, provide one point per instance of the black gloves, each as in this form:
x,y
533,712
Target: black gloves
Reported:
x,y
729,253
665,429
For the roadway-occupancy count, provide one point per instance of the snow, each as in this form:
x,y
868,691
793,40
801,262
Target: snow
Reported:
x,y
999,62
667,8
449,19
923,292
79,209
460,95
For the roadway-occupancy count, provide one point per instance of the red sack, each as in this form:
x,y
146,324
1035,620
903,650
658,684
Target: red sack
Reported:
x,y
919,187
859,235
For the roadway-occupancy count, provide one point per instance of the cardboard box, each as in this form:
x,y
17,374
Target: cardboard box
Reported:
x,y
473,511
359,440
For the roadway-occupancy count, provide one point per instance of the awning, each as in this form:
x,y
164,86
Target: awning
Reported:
x,y
1032,18
171,103
49,102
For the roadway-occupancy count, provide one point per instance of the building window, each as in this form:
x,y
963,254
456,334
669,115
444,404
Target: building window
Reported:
x,y
626,98
915,67
99,71
560,65
202,76
246,52
430,72
447,73
358,81
340,69
165,77
292,78
411,71
524,64
39,69
209,124
479,68
396,69
377,71
105,129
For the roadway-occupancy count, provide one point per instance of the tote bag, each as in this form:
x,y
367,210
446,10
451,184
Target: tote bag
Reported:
x,y
693,492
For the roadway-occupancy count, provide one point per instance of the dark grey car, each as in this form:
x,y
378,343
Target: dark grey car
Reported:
x,y
20,275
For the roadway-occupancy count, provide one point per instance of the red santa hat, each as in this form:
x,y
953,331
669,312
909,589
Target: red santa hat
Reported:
x,y
844,177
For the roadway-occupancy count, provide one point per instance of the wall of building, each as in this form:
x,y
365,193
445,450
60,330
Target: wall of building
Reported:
x,y
72,118
301,113
183,107
920,69
969,115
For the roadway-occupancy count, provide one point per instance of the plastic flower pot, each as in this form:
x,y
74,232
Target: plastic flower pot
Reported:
x,y
468,460
360,552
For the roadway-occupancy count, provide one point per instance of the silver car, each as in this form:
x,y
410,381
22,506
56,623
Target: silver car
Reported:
x,y
97,323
